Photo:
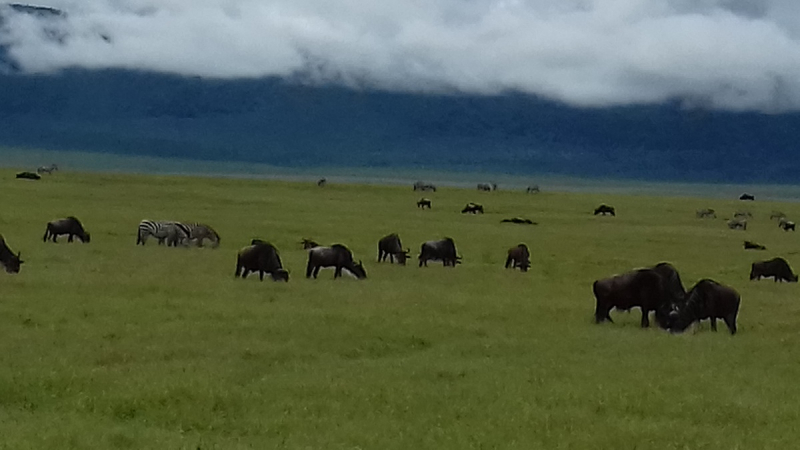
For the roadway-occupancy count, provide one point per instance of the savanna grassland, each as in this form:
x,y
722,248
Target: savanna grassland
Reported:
x,y
113,345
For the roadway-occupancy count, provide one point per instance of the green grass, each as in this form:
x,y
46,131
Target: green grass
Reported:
x,y
110,345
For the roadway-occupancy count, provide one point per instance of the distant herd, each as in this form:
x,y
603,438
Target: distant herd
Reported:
x,y
655,289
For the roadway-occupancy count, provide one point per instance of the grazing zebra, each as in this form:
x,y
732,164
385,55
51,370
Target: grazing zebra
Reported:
x,y
47,169
175,233
198,232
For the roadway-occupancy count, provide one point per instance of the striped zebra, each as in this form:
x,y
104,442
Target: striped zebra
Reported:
x,y
198,232
174,233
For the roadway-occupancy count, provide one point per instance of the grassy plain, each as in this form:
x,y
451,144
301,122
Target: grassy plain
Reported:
x,y
110,345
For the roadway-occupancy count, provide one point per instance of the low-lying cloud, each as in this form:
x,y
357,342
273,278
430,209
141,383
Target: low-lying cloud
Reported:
x,y
725,54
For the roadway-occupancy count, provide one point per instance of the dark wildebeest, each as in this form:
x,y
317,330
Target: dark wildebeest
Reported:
x,y
534,189
442,250
519,256
308,243
321,182
473,208
777,268
390,246
753,246
28,176
786,224
423,202
337,256
605,209
8,259
746,196
737,223
707,300
706,213
420,186
261,257
656,289
519,220
70,225
484,187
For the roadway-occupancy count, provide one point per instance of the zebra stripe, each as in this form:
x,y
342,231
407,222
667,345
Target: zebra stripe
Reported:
x,y
197,232
174,233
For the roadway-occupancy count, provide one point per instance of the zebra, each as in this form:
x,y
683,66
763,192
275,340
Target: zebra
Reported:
x,y
198,232
175,233
47,169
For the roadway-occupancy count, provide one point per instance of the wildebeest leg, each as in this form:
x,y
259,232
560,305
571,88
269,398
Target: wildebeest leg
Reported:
x,y
391,258
309,269
54,236
69,238
508,262
46,231
645,318
713,323
316,271
261,275
730,321
337,272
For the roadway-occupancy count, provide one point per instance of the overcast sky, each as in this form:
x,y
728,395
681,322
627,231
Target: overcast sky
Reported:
x,y
728,54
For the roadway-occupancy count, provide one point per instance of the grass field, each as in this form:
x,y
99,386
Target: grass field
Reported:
x,y
110,345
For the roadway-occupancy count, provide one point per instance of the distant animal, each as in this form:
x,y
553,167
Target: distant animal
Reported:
x,y
707,300
70,226
658,289
443,250
737,223
390,246
421,186
308,243
786,225
484,187
776,268
519,257
321,182
337,256
261,257
605,209
746,197
776,215
11,262
533,189
519,220
47,169
423,202
199,232
753,246
28,176
706,213
744,214
174,233
473,208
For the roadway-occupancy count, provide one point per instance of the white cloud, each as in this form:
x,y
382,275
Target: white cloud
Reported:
x,y
729,54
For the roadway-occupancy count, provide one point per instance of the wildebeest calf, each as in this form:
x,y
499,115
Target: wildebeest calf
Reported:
x,y
473,208
605,209
776,268
707,300
748,245
261,257
423,202
70,226
519,257
11,262
390,246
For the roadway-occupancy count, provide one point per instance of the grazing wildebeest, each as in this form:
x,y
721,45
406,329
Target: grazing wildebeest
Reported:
x,y
605,209
753,246
656,289
321,182
519,256
337,256
743,214
423,202
421,186
533,189
707,300
308,243
786,224
776,215
739,223
442,250
28,176
484,187
777,268
706,213
473,208
70,225
390,246
8,259
261,257
519,220
746,196
47,169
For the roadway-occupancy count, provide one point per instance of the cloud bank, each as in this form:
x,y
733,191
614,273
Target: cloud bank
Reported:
x,y
722,54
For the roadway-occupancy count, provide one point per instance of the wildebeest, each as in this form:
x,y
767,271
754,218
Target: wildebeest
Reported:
x,y
70,225
484,187
47,169
423,202
605,209
421,186
261,257
786,224
321,182
737,223
776,215
519,256
777,268
473,208
28,176
743,214
706,213
390,246
519,220
337,256
443,250
533,189
753,246
746,196
707,300
656,289
8,259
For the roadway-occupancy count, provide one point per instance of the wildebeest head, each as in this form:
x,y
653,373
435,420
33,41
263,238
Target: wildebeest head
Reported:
x,y
308,243
280,275
357,270
12,263
86,238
